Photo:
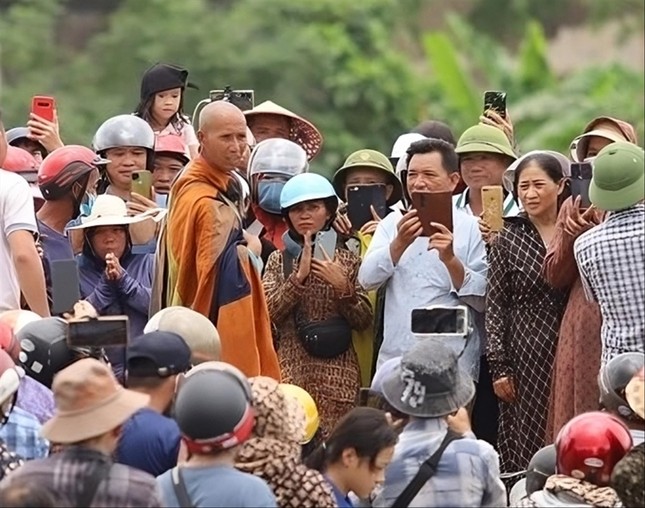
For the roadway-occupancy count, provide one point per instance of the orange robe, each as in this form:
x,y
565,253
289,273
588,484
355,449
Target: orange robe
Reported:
x,y
209,269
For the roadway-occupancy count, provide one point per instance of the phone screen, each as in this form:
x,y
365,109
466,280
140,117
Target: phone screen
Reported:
x,y
433,207
581,173
325,240
102,332
65,282
439,320
43,107
496,101
359,200
142,183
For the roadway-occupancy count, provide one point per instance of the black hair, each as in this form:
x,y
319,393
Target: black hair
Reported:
x,y
551,166
365,429
449,159
23,493
144,110
435,129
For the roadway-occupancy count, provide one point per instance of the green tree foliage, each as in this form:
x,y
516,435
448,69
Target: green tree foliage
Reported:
x,y
340,64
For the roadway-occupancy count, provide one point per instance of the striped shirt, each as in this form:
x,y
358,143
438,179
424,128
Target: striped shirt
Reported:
x,y
510,208
611,260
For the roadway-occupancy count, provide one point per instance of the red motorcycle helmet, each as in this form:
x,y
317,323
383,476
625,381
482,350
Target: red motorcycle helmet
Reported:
x,y
590,445
64,166
21,161
172,146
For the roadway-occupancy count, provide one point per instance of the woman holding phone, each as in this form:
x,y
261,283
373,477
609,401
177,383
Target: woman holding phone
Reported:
x,y
315,300
523,311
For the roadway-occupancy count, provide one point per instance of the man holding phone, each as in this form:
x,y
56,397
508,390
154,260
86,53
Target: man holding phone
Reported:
x,y
444,269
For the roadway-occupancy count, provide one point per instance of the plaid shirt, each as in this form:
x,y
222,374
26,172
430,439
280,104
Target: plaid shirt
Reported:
x,y
467,474
22,435
611,260
65,474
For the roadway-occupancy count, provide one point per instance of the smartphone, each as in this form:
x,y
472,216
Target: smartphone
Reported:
x,y
325,240
493,204
243,99
359,200
142,183
433,207
66,286
101,332
496,101
441,320
43,106
580,180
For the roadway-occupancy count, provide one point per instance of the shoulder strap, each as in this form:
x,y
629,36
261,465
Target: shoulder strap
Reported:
x,y
180,488
426,471
99,473
287,264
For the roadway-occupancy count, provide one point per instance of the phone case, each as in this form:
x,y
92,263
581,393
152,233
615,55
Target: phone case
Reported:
x,y
43,107
433,207
66,288
359,200
580,182
325,240
493,204
142,183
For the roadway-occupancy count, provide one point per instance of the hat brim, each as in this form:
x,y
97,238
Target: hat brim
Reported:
x,y
433,406
88,222
580,145
338,181
486,148
508,177
79,426
302,132
614,200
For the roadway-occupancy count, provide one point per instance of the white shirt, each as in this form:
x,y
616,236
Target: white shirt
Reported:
x,y
420,279
16,214
510,207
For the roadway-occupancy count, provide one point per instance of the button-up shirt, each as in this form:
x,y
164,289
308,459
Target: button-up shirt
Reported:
x,y
467,474
66,472
421,279
21,433
611,260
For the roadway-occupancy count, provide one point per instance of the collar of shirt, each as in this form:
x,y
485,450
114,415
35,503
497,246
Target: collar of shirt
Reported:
x,y
342,500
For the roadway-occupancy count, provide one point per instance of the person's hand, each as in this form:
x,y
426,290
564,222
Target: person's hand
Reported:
x,y
304,266
396,424
442,242
139,204
487,234
113,269
369,227
408,229
332,273
577,223
504,388
341,224
44,131
82,310
493,118
459,422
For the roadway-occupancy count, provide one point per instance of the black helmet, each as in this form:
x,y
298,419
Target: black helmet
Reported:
x,y
44,350
213,408
613,379
541,466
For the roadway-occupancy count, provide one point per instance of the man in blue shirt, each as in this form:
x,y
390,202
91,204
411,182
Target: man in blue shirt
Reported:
x,y
149,440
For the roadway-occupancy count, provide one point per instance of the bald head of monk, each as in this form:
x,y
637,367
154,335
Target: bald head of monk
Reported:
x,y
222,135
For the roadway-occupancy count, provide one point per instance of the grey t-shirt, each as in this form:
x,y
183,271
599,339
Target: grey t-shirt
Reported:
x,y
218,487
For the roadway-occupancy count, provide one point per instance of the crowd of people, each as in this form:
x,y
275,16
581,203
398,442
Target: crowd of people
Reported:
x,y
269,356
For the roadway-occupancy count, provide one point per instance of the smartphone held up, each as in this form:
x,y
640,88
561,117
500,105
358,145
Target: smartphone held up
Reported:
x,y
361,199
43,106
433,207
580,182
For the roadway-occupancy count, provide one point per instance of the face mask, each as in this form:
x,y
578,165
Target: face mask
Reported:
x,y
269,196
86,204
161,200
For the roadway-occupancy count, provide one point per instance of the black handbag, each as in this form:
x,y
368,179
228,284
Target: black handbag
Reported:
x,y
325,339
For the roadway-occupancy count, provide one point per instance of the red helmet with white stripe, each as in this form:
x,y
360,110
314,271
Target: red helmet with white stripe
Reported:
x,y
63,167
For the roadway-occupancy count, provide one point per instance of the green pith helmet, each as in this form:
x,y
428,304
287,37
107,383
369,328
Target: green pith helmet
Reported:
x,y
369,159
484,138
617,177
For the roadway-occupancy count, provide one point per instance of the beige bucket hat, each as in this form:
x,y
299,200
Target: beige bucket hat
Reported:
x,y
301,131
89,403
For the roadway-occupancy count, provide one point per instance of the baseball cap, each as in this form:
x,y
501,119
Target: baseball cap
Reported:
x,y
618,177
160,354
